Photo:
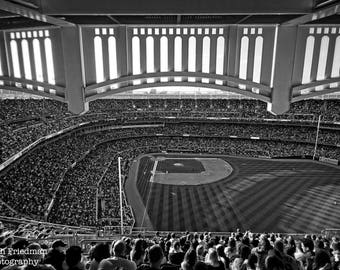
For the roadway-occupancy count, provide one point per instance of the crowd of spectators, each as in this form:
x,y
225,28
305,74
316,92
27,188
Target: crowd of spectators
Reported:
x,y
23,121
263,130
182,251
20,109
30,185
14,110
82,178
75,202
77,198
82,181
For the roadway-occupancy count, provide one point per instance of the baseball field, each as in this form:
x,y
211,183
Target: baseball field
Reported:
x,y
184,192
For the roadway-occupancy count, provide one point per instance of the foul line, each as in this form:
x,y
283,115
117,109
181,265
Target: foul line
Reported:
x,y
147,201
153,172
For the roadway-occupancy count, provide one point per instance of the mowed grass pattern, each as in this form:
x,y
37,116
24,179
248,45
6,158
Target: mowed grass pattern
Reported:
x,y
261,195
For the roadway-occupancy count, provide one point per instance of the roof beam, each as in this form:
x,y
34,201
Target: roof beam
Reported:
x,y
243,19
178,19
32,14
322,13
174,7
113,19
327,2
24,3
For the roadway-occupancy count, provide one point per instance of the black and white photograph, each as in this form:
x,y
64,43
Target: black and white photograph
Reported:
x,y
169,135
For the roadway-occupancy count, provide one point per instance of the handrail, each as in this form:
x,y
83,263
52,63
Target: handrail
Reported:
x,y
31,82
25,220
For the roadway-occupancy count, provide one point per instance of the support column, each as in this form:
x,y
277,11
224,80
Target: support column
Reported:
x,y
199,52
185,53
74,70
283,71
171,54
157,53
142,40
231,43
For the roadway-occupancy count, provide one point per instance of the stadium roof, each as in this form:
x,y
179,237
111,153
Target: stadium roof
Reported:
x,y
30,13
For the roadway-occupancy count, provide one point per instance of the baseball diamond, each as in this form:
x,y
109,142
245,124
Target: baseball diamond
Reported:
x,y
261,194
189,171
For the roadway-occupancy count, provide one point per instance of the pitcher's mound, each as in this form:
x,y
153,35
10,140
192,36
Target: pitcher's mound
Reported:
x,y
189,171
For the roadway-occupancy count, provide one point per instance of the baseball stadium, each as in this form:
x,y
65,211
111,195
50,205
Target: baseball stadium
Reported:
x,y
198,136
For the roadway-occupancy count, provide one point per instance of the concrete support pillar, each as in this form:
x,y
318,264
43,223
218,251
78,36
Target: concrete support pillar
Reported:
x,y
212,64
143,56
171,54
199,49
233,50
157,53
283,71
185,53
74,70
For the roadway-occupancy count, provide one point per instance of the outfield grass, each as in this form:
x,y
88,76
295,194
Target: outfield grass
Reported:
x,y
261,195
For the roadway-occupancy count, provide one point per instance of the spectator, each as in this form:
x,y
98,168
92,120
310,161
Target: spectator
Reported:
x,y
289,262
306,260
56,255
230,250
35,258
262,251
250,263
156,257
138,252
336,255
73,259
190,260
222,256
244,254
273,263
322,260
212,260
118,260
200,253
100,252
176,255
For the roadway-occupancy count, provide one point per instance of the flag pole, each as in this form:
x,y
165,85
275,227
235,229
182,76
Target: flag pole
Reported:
x,y
120,196
317,137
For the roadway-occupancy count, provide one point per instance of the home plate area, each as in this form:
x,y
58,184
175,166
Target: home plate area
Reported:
x,y
189,171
